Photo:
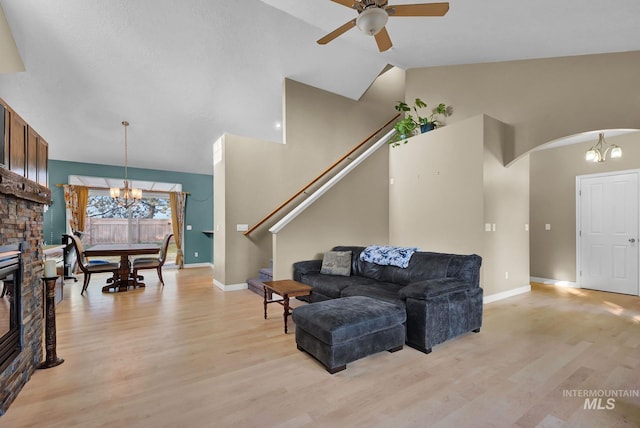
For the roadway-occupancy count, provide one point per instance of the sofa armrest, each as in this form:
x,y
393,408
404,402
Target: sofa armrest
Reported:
x,y
305,267
423,290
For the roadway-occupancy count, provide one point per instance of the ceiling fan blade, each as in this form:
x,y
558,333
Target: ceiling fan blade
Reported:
x,y
337,32
348,3
428,9
383,40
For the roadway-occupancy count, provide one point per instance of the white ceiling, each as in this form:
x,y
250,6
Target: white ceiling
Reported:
x,y
183,72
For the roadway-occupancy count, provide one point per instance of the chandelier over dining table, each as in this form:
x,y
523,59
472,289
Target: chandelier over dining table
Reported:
x,y
126,196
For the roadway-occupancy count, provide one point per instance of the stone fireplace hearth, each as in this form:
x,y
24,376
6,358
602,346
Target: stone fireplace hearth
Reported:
x,y
21,221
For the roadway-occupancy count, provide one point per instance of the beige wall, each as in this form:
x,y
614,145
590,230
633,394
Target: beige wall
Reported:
x,y
448,183
219,217
506,204
553,201
542,99
436,199
243,189
320,128
354,212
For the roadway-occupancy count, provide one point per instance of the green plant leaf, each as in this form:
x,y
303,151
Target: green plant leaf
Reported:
x,y
402,106
420,103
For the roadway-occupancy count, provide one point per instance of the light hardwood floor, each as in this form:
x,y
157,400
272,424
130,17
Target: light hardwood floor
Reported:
x,y
190,355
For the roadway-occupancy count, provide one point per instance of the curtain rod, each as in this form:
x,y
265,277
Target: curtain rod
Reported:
x,y
103,188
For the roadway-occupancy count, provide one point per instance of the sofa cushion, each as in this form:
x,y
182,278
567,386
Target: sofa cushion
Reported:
x,y
332,285
433,287
466,268
336,263
340,320
385,291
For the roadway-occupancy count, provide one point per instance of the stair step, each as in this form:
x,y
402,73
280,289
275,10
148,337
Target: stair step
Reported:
x,y
256,286
265,274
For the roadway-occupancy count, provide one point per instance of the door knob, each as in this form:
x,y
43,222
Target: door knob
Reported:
x,y
632,240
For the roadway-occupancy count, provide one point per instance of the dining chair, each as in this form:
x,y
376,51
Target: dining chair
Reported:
x,y
153,262
87,267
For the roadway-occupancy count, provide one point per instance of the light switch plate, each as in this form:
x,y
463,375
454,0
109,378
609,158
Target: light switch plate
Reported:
x,y
242,227
189,227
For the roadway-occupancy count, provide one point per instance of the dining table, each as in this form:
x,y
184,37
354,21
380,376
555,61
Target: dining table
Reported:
x,y
123,279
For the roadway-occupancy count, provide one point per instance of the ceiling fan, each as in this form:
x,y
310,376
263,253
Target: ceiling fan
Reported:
x,y
373,16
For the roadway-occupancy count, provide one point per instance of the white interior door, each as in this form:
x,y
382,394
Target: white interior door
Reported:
x,y
608,232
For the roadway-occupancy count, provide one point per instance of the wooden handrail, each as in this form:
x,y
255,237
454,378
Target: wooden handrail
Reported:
x,y
319,177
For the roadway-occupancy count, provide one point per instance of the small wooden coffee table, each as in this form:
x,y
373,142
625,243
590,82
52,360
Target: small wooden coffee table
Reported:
x,y
285,288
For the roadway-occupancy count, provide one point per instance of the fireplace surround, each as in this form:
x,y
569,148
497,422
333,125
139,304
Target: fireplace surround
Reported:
x,y
21,221
10,284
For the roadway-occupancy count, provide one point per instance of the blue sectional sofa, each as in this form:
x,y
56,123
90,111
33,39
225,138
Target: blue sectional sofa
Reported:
x,y
440,293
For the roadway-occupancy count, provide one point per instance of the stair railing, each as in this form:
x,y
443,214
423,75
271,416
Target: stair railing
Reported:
x,y
319,177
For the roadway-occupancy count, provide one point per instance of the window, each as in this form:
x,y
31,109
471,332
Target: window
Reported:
x,y
109,223
146,221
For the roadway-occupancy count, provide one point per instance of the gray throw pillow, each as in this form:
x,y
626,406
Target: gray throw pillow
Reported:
x,y
336,263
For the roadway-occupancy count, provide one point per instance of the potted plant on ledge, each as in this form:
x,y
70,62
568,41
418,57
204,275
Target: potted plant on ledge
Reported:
x,y
408,126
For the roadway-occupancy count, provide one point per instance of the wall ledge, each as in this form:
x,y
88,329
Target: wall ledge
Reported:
x,y
506,294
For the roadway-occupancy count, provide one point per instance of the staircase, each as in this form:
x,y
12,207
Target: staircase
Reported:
x,y
326,175
255,285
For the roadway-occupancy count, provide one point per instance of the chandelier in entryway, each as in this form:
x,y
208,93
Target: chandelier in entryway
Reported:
x,y
598,153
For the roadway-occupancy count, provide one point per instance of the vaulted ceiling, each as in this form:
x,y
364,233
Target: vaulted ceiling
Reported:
x,y
183,72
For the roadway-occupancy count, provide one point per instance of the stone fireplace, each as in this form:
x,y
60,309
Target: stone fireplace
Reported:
x,y
11,284
21,221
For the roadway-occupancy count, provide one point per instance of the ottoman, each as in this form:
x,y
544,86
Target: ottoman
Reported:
x,y
339,331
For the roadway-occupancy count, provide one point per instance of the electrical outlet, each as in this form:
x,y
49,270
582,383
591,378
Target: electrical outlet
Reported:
x,y
195,254
547,226
189,227
506,275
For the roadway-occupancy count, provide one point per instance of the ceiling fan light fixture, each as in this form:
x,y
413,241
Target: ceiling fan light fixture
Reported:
x,y
372,20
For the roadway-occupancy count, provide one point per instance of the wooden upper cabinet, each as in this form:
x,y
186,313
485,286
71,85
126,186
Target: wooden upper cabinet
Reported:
x,y
43,162
4,135
22,149
32,154
17,144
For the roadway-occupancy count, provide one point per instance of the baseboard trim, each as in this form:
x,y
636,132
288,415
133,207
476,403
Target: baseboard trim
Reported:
x,y
506,294
230,287
197,265
555,282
